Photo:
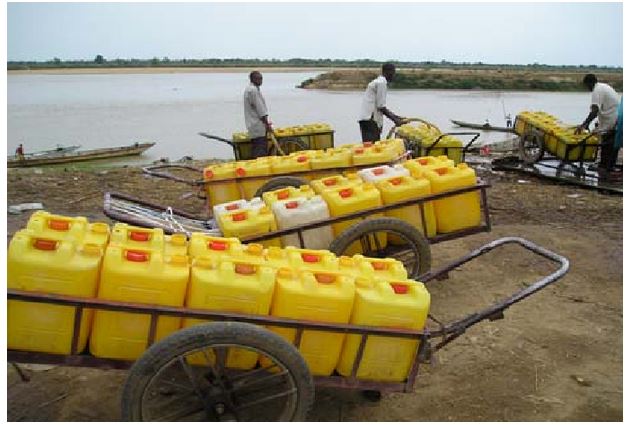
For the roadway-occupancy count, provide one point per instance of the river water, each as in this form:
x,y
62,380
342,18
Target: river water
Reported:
x,y
107,110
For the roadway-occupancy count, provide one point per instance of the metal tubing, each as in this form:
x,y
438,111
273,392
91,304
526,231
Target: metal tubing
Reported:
x,y
152,329
76,329
359,356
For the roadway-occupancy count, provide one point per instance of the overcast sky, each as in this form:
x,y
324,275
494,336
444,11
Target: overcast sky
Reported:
x,y
515,33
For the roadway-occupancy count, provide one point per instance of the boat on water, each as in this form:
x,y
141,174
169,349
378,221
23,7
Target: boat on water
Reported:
x,y
485,126
59,150
75,156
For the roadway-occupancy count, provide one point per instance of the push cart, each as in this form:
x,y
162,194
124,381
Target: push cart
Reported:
x,y
412,249
278,145
187,375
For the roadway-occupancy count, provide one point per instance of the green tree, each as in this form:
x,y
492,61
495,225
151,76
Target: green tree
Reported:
x,y
99,59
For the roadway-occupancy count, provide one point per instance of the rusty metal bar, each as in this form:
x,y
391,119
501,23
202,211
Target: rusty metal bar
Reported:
x,y
349,383
81,360
152,329
359,356
99,304
421,353
298,337
76,329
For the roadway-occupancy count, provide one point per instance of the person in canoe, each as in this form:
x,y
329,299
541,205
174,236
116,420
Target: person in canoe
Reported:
x,y
19,152
373,105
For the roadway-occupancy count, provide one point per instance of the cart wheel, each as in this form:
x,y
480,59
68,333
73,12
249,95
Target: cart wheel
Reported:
x,y
412,250
289,146
280,182
531,147
198,374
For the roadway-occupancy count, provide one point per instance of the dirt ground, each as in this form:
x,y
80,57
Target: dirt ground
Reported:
x,y
556,356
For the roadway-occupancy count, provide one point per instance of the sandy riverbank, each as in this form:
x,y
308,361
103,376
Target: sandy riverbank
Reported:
x,y
555,357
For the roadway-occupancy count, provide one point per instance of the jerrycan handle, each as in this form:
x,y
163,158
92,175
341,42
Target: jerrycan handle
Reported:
x,y
45,244
60,225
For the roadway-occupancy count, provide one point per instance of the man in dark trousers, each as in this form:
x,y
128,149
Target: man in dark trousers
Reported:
x,y
256,115
604,104
373,105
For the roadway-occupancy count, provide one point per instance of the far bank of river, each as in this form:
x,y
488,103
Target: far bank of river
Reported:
x,y
465,79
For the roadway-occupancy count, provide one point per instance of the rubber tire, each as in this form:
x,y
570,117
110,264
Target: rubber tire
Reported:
x,y
301,146
371,225
525,156
280,182
205,334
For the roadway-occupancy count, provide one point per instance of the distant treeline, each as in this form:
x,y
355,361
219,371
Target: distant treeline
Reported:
x,y
101,62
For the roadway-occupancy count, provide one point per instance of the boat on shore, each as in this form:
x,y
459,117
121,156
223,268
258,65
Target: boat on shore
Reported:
x,y
75,156
485,126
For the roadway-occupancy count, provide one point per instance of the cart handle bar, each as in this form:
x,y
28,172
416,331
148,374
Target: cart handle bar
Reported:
x,y
495,311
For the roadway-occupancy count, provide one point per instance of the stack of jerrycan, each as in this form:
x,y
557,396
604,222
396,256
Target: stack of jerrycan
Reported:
x,y
322,136
375,174
252,174
286,193
384,297
300,211
350,198
230,277
227,188
334,182
454,212
140,266
56,255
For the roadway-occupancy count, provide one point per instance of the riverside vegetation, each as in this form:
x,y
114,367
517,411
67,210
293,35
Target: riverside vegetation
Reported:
x,y
355,74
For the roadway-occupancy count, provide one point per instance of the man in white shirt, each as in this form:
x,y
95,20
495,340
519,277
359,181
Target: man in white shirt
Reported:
x,y
373,106
256,115
604,103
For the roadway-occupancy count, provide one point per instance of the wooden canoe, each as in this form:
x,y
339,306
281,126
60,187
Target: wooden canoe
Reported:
x,y
88,155
487,127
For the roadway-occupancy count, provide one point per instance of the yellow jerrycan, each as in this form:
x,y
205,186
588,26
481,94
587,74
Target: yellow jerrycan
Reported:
x,y
245,223
286,193
78,229
455,212
372,268
369,154
334,182
53,266
417,166
136,276
134,237
330,158
351,198
290,164
322,141
221,184
252,174
302,259
314,296
397,304
232,286
404,188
